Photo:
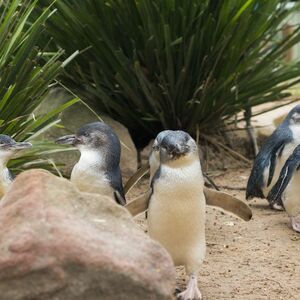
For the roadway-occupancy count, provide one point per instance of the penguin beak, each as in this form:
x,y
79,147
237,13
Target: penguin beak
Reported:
x,y
174,151
178,150
68,140
16,146
21,145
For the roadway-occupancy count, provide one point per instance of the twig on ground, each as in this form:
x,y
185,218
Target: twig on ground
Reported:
x,y
229,150
210,182
250,130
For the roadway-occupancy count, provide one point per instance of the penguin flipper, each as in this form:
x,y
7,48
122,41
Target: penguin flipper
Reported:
x,y
276,152
228,203
12,176
291,165
121,200
139,204
135,178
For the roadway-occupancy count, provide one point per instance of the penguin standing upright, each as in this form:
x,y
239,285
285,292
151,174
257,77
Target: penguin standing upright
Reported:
x,y
176,213
98,169
8,148
272,157
287,188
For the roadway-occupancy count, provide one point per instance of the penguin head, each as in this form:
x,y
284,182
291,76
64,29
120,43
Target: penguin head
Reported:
x,y
293,117
178,146
8,146
159,138
92,136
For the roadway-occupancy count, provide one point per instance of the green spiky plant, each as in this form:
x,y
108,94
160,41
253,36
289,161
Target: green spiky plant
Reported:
x,y
157,64
26,73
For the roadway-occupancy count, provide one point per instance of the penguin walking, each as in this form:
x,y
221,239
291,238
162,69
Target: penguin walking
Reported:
x,y
287,188
176,212
97,170
8,148
272,157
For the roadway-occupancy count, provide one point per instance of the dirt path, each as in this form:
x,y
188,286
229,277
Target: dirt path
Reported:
x,y
259,259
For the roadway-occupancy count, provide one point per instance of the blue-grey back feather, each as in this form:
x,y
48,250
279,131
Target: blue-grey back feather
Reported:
x,y
11,175
115,180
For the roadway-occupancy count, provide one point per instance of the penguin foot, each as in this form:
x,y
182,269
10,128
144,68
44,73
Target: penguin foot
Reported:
x,y
295,224
277,206
192,291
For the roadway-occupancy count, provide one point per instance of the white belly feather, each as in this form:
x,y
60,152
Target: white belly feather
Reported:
x,y
176,215
88,175
291,196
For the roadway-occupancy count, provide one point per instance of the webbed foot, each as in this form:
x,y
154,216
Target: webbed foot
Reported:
x,y
192,291
295,224
277,206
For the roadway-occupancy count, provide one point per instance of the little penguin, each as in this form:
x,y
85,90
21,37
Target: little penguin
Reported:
x,y
287,188
8,147
176,212
272,157
97,170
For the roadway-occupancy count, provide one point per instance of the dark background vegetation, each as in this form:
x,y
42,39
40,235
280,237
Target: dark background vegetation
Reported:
x,y
163,64
151,64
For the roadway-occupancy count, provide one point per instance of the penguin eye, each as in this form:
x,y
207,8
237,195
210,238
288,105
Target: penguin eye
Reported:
x,y
296,118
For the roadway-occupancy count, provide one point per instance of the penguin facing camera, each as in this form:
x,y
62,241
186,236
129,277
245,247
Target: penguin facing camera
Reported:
x,y
287,188
176,213
8,148
98,169
272,157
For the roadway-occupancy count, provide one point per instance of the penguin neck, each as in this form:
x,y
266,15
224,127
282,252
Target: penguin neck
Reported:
x,y
5,177
5,156
3,165
186,161
92,158
182,169
295,129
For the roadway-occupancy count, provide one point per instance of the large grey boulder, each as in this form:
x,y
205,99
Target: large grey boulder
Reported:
x,y
60,244
74,117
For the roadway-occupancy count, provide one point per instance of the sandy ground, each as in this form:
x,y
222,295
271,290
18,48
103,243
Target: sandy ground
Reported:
x,y
259,259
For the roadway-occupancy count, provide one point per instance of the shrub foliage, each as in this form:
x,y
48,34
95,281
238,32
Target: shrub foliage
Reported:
x,y
157,64
26,72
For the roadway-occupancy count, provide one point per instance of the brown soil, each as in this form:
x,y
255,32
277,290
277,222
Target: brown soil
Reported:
x,y
259,259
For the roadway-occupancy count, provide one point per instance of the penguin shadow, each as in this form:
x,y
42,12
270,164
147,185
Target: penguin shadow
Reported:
x,y
264,207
